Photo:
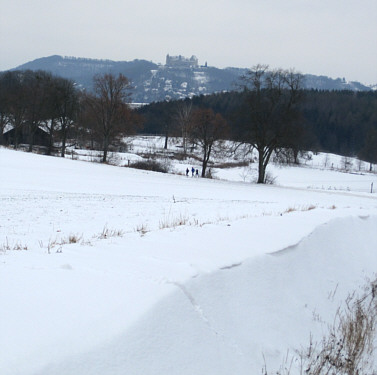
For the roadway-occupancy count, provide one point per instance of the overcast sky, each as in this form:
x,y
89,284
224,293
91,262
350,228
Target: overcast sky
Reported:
x,y
337,38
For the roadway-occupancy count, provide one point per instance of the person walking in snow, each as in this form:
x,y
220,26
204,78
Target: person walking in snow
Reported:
x,y
197,173
192,171
187,171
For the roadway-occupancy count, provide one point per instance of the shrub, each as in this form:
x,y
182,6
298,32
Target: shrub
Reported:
x,y
173,222
348,347
107,233
142,229
243,163
151,165
269,179
17,246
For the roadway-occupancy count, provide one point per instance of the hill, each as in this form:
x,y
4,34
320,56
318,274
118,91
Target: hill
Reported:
x,y
112,270
156,82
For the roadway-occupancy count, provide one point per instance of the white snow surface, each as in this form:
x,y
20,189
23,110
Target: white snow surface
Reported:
x,y
169,274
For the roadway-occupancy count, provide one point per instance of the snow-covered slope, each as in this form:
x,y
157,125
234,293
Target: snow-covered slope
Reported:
x,y
134,272
225,321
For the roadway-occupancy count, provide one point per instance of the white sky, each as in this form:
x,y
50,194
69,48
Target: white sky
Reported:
x,y
337,38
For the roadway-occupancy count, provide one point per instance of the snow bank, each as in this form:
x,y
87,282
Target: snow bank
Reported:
x,y
225,321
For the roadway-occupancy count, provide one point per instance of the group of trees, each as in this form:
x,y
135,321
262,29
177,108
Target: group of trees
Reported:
x,y
198,126
342,122
105,112
269,112
31,101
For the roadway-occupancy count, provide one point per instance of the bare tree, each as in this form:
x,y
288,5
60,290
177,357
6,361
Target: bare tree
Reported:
x,y
109,108
61,108
206,129
369,151
37,87
183,117
4,106
271,105
86,129
17,102
67,106
50,121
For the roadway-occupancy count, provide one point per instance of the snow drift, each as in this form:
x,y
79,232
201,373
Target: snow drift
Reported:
x,y
169,274
226,321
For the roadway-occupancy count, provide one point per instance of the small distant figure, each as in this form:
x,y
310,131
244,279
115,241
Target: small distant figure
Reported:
x,y
192,171
187,171
197,173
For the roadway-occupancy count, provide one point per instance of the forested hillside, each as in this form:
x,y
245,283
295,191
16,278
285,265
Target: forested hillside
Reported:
x,y
342,122
153,82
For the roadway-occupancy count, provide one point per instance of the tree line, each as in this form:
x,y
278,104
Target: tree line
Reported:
x,y
31,102
269,112
38,104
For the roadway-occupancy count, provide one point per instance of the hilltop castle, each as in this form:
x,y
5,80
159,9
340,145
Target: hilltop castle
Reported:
x,y
181,62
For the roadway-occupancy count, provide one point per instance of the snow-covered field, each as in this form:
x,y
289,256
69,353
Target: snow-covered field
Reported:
x,y
111,270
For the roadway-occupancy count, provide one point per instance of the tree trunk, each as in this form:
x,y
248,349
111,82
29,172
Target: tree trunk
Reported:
x,y
204,161
261,168
50,143
206,155
204,168
62,151
16,133
295,155
31,139
64,138
51,137
105,149
184,143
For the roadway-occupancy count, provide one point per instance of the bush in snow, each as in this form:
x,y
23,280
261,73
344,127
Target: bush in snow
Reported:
x,y
349,346
151,165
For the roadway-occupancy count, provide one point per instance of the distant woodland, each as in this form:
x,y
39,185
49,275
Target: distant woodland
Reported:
x,y
342,122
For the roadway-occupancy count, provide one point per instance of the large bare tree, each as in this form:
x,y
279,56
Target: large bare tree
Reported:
x,y
109,108
4,106
36,86
61,108
206,129
16,101
271,105
67,106
182,117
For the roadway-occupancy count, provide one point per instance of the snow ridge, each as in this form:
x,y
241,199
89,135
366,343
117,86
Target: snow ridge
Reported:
x,y
199,310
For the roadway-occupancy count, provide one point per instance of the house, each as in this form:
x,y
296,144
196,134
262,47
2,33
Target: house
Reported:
x,y
22,136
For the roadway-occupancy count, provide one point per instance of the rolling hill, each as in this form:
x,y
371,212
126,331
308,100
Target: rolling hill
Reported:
x,y
157,82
